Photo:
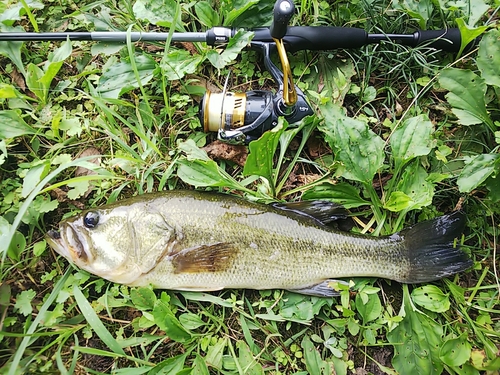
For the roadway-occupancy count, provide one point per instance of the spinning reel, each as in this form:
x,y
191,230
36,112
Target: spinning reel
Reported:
x,y
243,117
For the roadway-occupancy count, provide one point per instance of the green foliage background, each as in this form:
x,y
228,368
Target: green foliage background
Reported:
x,y
399,135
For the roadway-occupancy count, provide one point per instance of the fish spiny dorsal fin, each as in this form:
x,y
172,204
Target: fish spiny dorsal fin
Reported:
x,y
324,212
205,258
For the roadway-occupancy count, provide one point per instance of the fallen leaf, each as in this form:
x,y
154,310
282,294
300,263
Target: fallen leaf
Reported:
x,y
317,147
220,150
305,179
82,171
203,82
18,80
189,47
59,194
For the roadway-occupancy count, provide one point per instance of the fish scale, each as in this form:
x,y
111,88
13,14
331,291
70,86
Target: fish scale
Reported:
x,y
188,240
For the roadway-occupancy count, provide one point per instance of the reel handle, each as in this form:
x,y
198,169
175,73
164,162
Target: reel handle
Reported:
x,y
283,12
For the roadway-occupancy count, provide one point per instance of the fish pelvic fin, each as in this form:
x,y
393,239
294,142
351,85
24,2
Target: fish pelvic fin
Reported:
x,y
204,258
327,288
432,250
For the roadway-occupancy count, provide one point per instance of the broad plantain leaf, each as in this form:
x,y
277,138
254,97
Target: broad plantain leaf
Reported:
x,y
456,351
13,125
199,366
15,11
262,150
477,170
493,185
356,147
398,201
419,10
333,76
33,80
432,298
415,185
177,63
167,321
466,96
3,151
247,361
12,50
120,78
143,298
468,34
198,169
416,341
488,57
202,173
413,138
314,363
54,63
206,14
172,365
215,352
234,47
369,310
39,80
34,175
342,193
472,10
247,14
157,12
192,151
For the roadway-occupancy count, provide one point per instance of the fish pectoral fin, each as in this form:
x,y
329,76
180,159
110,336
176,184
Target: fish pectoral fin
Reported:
x,y
204,258
327,288
324,212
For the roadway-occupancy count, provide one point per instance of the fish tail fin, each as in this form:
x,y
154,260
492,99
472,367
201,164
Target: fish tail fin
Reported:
x,y
432,250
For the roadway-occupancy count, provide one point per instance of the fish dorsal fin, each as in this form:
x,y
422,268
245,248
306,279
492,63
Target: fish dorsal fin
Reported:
x,y
324,212
204,258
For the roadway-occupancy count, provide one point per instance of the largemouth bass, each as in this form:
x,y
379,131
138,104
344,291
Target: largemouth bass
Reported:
x,y
188,240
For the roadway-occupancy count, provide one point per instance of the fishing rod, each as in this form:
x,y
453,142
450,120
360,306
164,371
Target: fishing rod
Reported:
x,y
297,38
242,117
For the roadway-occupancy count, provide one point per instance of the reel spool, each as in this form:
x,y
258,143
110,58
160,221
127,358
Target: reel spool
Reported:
x,y
238,117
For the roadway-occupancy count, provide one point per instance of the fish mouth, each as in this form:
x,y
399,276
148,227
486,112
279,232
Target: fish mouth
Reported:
x,y
67,242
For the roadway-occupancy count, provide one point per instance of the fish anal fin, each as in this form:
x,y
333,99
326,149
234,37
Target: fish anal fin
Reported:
x,y
327,288
204,258
324,212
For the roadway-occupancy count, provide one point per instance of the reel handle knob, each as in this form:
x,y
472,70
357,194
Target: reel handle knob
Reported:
x,y
283,12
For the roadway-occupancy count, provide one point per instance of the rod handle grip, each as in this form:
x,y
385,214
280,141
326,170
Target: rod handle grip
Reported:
x,y
448,40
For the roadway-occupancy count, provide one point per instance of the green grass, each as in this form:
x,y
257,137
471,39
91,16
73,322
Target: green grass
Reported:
x,y
430,120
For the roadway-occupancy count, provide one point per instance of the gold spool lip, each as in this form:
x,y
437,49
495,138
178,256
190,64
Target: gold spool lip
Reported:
x,y
205,111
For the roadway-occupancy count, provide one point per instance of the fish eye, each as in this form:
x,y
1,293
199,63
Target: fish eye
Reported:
x,y
91,219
